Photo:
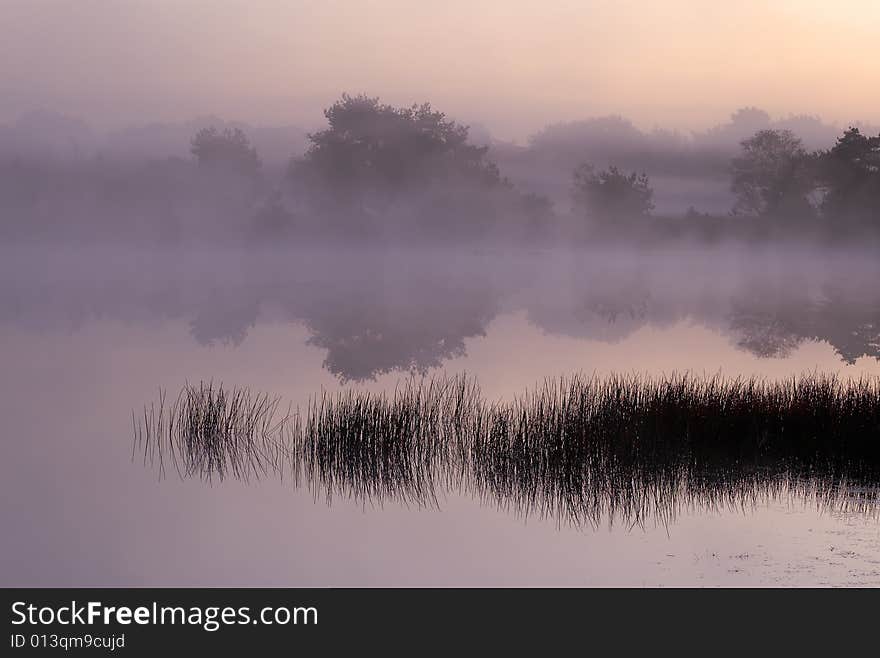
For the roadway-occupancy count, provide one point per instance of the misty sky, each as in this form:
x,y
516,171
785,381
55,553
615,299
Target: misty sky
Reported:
x,y
513,65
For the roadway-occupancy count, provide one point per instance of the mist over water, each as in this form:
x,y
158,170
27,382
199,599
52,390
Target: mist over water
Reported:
x,y
92,333
706,288
374,311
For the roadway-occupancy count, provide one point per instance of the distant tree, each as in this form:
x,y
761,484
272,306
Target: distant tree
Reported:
x,y
368,144
772,175
227,150
815,133
850,173
750,118
606,140
612,194
746,121
600,138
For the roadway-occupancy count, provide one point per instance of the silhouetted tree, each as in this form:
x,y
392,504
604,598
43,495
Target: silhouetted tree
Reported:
x,y
612,194
772,175
227,150
369,144
850,172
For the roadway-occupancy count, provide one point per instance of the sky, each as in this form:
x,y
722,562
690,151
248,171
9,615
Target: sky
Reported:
x,y
511,65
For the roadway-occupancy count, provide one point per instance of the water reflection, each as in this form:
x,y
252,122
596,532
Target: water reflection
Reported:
x,y
367,331
89,336
580,450
374,313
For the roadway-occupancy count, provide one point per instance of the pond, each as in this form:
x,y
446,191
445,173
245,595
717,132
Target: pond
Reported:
x,y
90,335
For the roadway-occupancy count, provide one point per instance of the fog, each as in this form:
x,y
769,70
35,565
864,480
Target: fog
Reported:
x,y
395,232
515,121
372,312
376,172
307,196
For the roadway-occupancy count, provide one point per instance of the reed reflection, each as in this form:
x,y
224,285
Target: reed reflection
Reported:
x,y
581,450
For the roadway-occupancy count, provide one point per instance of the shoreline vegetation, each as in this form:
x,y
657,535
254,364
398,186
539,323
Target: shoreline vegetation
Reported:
x,y
382,174
578,449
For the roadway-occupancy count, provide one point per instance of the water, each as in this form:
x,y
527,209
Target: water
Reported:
x,y
87,336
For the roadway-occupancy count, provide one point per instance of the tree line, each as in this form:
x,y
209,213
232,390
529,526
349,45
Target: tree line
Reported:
x,y
376,170
373,157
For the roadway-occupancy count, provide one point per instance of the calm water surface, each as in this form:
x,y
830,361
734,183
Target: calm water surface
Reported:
x,y
85,339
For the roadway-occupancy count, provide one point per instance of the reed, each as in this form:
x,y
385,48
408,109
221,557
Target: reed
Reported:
x,y
211,432
579,449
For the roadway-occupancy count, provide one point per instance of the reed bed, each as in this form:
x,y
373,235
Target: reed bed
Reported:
x,y
579,449
210,432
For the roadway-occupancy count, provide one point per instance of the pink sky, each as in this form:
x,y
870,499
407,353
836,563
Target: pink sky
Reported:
x,y
513,65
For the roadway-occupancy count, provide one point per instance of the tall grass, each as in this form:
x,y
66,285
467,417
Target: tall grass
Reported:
x,y
210,432
579,449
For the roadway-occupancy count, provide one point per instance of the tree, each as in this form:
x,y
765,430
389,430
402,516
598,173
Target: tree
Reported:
x,y
850,173
228,150
749,118
772,175
744,122
601,138
612,194
371,145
